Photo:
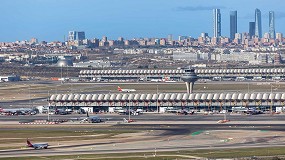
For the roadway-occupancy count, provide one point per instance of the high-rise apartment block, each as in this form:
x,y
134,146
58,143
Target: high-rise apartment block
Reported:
x,y
258,24
266,35
104,39
279,36
181,38
272,24
169,38
71,35
204,35
217,23
233,24
238,36
34,41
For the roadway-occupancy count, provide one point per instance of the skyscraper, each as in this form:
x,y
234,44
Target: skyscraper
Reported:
x,y
272,24
233,24
169,38
80,35
76,35
71,35
258,26
251,29
217,22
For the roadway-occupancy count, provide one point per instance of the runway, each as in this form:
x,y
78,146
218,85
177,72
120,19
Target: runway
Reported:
x,y
155,117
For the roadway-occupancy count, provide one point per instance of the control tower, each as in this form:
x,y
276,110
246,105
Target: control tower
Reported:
x,y
189,77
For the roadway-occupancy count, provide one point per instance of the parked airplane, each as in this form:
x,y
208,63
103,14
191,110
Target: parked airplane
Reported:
x,y
92,119
167,80
37,145
132,112
170,81
16,111
61,112
155,80
125,90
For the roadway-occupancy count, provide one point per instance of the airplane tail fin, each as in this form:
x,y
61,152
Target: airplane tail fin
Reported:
x,y
1,109
87,114
29,144
165,79
119,88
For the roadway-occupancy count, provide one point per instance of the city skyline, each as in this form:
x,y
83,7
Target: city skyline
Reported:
x,y
51,20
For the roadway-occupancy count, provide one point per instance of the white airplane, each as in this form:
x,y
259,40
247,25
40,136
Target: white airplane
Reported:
x,y
37,145
166,80
125,90
15,110
92,119
155,80
170,81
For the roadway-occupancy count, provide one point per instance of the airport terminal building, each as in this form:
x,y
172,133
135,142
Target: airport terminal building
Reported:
x,y
165,101
175,74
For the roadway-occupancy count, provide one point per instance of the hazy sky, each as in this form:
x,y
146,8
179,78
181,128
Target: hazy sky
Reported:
x,y
50,20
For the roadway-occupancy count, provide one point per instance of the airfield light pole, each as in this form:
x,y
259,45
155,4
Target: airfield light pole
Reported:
x,y
157,99
48,113
30,101
61,75
48,106
129,110
271,98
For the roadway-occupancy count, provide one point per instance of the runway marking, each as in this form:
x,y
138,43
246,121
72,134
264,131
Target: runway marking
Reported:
x,y
97,135
197,133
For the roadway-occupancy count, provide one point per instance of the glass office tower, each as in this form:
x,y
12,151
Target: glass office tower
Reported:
x,y
271,24
217,22
251,29
233,24
258,26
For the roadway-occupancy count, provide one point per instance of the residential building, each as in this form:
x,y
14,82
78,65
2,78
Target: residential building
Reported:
x,y
279,37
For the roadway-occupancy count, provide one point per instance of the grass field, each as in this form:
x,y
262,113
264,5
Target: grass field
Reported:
x,y
237,153
17,137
